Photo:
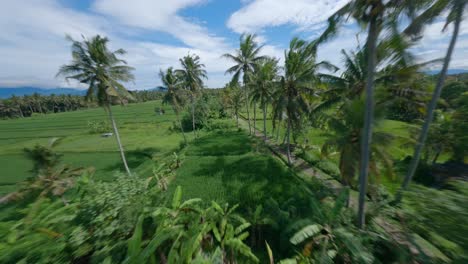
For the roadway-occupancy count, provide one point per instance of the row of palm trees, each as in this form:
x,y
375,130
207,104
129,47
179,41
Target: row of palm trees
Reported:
x,y
182,85
384,60
104,72
290,89
24,106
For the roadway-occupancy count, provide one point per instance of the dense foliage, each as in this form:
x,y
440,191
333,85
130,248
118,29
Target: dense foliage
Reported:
x,y
28,105
220,196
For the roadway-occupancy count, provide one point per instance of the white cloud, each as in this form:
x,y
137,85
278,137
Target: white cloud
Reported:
x,y
33,47
435,42
32,43
160,15
259,14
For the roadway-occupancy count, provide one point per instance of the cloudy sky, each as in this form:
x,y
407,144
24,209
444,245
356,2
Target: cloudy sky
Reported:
x,y
156,33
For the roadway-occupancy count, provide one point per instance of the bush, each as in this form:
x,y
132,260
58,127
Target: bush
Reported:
x,y
187,121
312,157
98,127
207,108
221,125
329,168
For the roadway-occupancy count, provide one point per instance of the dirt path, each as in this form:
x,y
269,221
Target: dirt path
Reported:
x,y
306,171
299,165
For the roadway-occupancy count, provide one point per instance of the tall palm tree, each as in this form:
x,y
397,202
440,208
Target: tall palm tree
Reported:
x,y
346,126
192,75
296,86
375,15
102,70
234,100
262,83
456,9
174,94
245,59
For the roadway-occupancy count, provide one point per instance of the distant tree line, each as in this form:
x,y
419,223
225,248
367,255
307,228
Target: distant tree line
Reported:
x,y
27,105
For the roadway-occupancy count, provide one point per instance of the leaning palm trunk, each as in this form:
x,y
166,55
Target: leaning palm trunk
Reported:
x,y
288,150
431,107
368,119
117,136
264,121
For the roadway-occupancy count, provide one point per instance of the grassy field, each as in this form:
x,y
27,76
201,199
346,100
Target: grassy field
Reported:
x,y
145,134
142,132
228,166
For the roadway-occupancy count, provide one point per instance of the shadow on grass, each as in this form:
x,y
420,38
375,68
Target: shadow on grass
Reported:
x,y
134,159
248,180
217,144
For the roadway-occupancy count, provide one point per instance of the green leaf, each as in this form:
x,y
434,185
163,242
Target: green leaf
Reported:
x,y
305,233
157,240
176,200
239,246
190,202
241,228
270,253
288,261
134,243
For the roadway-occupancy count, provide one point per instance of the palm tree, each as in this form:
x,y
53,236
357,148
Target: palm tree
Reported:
x,y
234,100
102,70
324,231
296,86
192,75
18,103
375,15
262,81
37,101
174,94
455,8
346,126
245,59
398,79
29,101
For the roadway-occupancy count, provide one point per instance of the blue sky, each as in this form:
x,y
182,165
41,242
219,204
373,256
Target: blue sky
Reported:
x,y
156,33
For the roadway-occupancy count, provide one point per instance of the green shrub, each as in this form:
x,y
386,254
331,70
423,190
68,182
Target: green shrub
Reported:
x,y
312,157
329,168
98,127
221,124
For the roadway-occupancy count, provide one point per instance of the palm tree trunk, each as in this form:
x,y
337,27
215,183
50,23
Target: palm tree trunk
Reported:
x,y
368,119
247,107
278,130
20,111
434,161
431,107
193,115
264,121
180,124
255,117
117,136
288,150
